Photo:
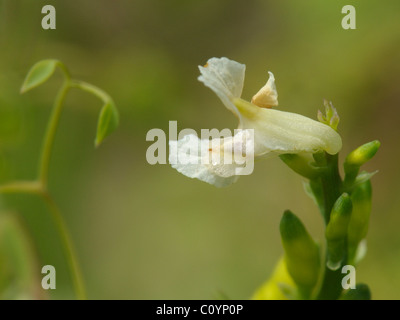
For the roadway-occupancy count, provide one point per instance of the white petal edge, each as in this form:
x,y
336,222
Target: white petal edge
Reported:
x,y
225,77
188,156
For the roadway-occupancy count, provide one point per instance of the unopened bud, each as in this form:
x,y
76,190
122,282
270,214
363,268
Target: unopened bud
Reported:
x,y
362,154
359,221
301,252
336,230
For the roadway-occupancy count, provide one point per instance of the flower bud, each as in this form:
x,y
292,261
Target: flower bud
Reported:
x,y
301,253
336,230
357,158
362,154
359,221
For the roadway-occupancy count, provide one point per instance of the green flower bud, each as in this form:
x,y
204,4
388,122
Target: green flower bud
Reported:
x,y
340,217
336,231
361,292
362,154
301,253
357,158
359,221
301,164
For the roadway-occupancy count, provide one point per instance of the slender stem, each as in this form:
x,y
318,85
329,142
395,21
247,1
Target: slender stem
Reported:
x,y
30,187
51,132
66,241
39,187
43,178
91,89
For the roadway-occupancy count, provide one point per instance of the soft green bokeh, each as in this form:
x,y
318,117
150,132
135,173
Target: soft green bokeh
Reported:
x,y
148,232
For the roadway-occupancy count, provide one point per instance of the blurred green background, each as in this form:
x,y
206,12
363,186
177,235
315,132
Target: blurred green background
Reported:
x,y
148,232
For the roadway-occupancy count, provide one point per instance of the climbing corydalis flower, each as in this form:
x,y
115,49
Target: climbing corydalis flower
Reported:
x,y
275,132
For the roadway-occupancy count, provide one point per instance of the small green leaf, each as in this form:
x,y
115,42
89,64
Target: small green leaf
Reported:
x,y
108,122
39,74
363,177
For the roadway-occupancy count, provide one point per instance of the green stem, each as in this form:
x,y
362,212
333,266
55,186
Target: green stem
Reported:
x,y
29,187
331,185
43,178
51,132
35,187
331,182
102,95
39,187
66,241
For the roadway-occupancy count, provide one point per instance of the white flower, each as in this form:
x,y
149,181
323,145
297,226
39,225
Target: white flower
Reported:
x,y
275,132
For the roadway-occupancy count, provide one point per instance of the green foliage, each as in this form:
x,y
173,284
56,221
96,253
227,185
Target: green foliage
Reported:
x,y
108,118
39,74
345,206
108,121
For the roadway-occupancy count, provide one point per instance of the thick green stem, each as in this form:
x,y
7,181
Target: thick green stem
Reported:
x,y
331,182
51,132
331,185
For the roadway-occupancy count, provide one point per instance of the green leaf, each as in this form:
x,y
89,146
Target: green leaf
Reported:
x,y
364,177
108,122
39,74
